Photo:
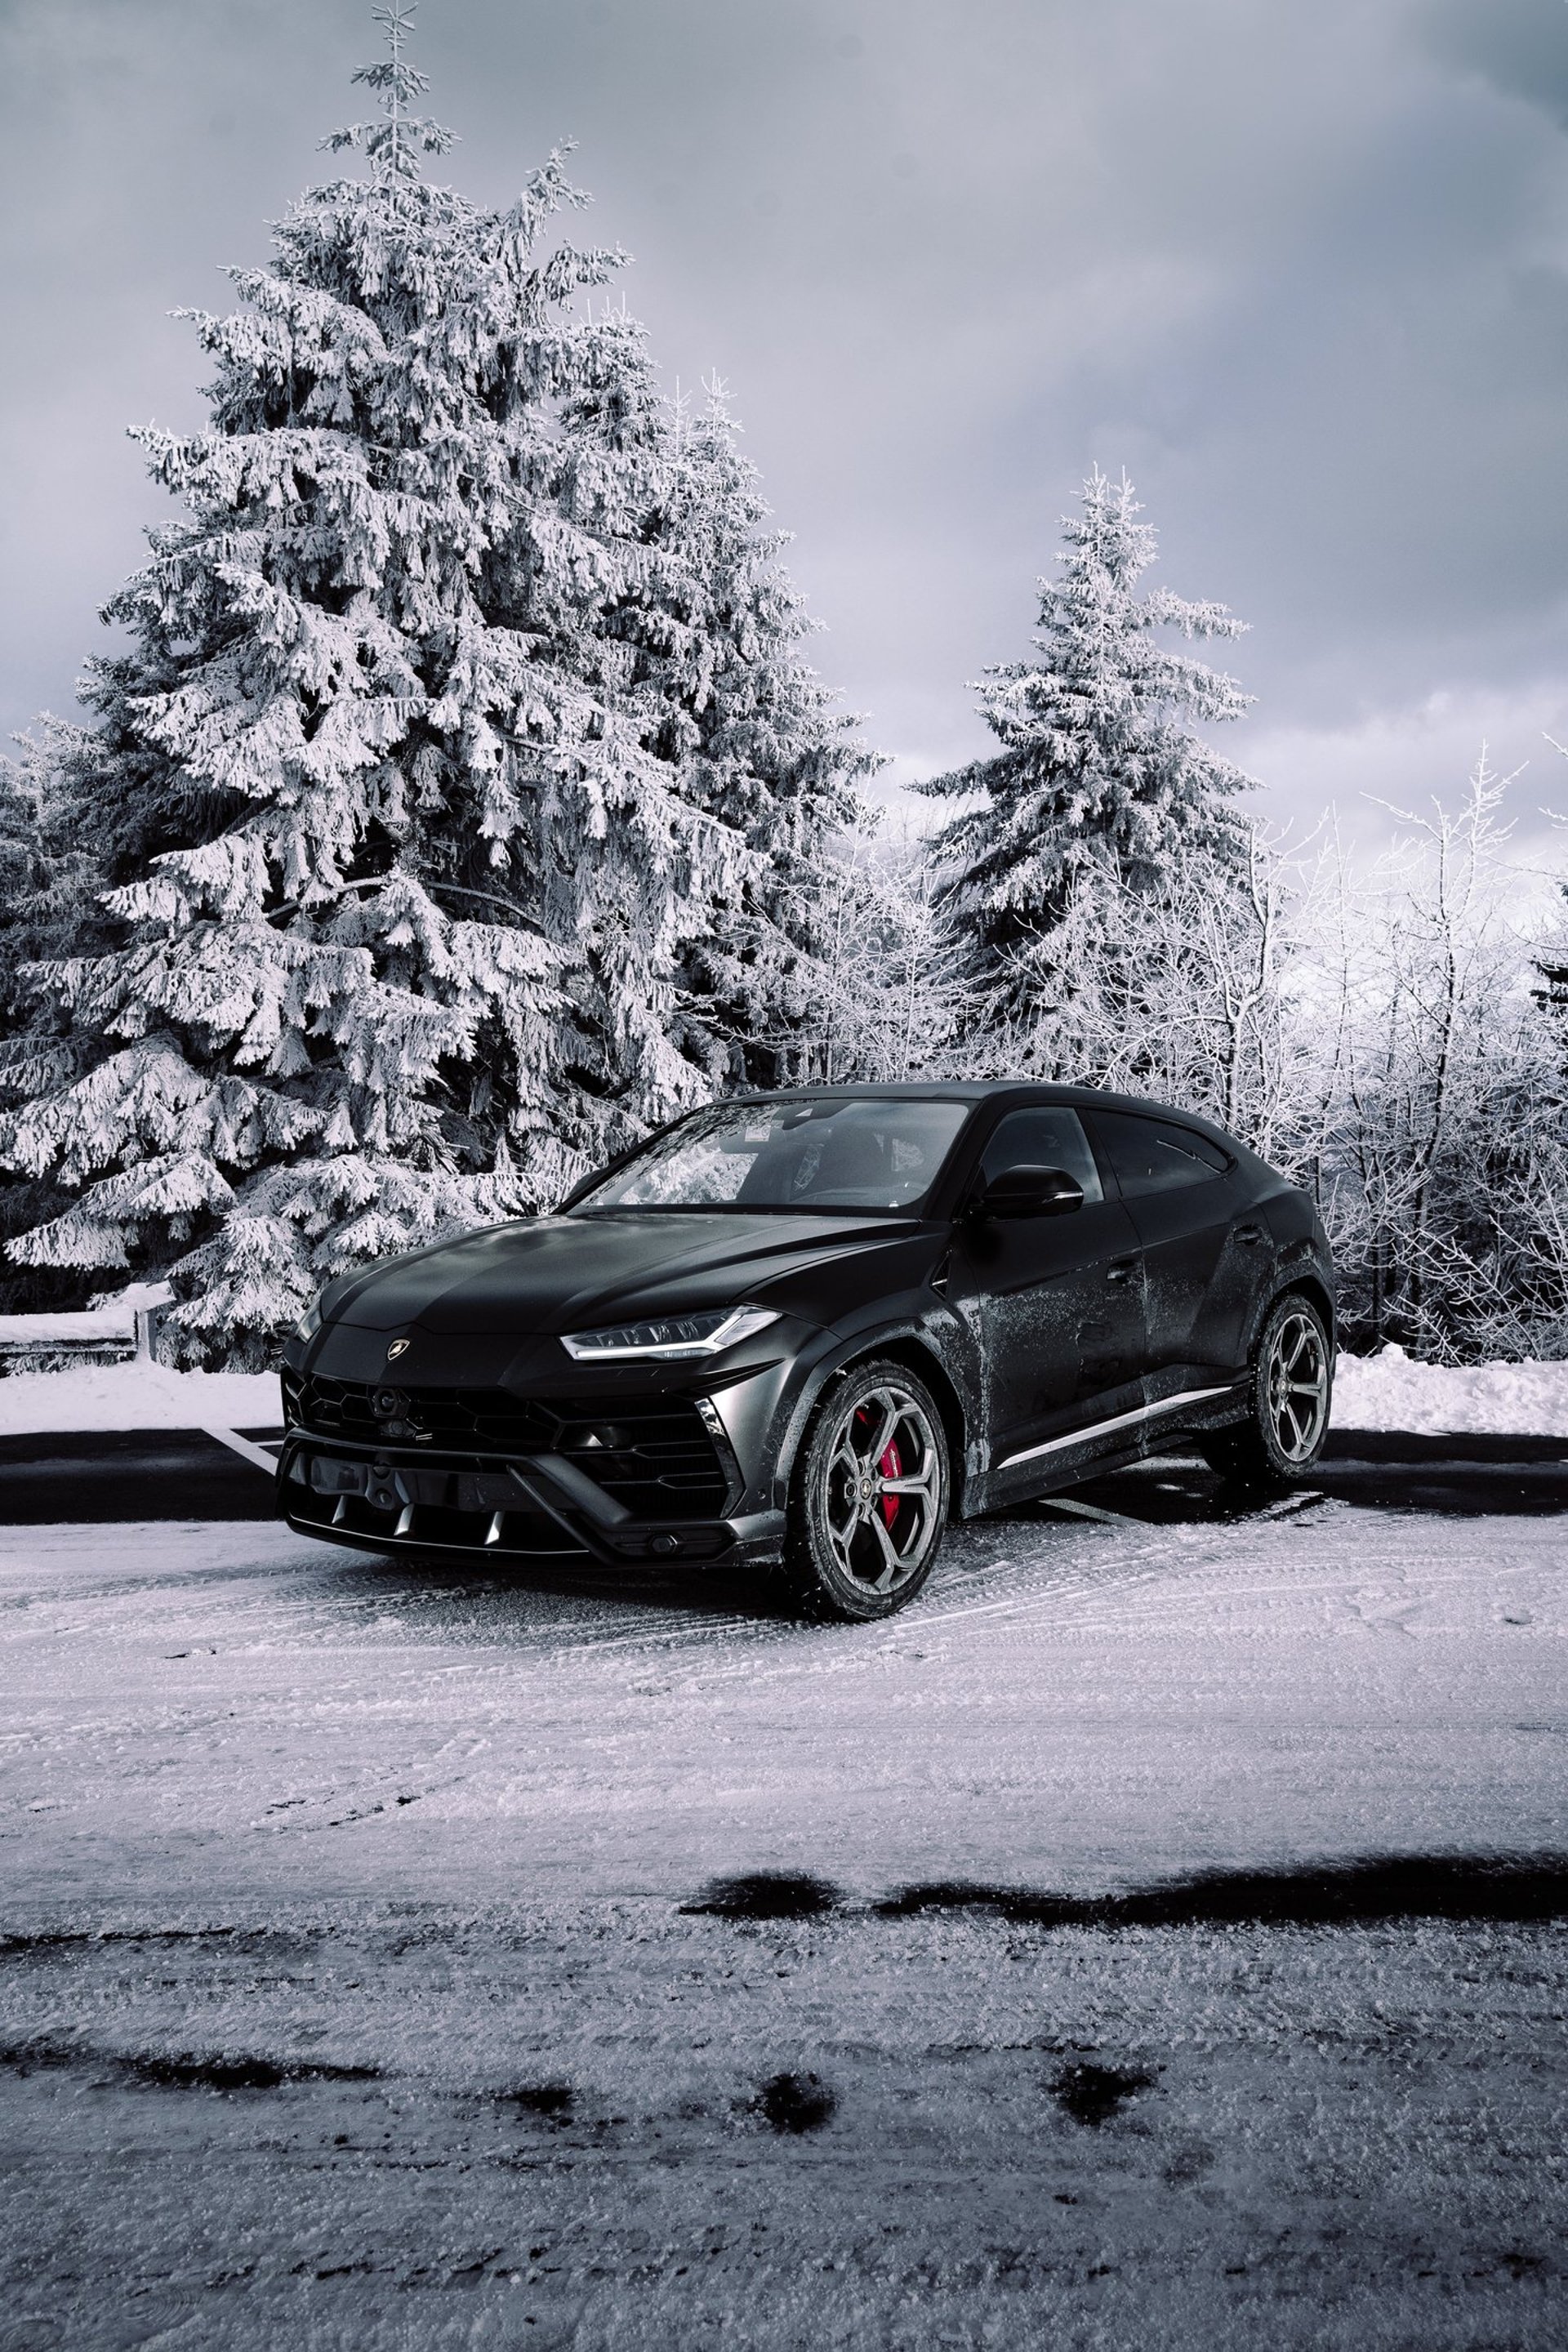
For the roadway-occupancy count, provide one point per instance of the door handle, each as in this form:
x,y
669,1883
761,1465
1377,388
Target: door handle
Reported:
x,y
1123,1271
1250,1235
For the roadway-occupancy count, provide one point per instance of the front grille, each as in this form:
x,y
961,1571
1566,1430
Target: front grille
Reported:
x,y
653,1455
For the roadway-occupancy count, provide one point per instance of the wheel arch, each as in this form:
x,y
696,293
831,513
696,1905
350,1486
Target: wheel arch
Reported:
x,y
1314,1291
916,1356
929,1368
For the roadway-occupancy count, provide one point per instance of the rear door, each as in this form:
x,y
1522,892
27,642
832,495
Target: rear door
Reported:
x,y
1055,1302
1202,1254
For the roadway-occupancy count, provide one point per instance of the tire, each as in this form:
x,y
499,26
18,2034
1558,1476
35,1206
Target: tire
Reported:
x,y
1289,1392
869,1496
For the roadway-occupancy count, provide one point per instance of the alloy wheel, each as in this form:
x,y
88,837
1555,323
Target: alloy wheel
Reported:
x,y
1298,1386
884,1479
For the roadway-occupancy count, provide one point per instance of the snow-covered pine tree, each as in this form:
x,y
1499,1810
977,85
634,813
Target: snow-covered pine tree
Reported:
x,y
26,898
400,871
1099,762
761,744
50,875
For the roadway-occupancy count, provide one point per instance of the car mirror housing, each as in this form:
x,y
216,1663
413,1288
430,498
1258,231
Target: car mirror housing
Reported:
x,y
1026,1192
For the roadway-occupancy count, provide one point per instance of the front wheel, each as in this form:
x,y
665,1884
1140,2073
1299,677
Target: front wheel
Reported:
x,y
869,1498
1290,1387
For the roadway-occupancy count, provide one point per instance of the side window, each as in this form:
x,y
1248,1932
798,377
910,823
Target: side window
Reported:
x,y
1150,1157
1043,1139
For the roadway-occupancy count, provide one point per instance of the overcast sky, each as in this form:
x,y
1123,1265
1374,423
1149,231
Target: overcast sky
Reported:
x,y
1298,265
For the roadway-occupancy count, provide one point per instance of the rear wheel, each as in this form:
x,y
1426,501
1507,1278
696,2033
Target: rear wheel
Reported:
x,y
868,1499
1290,1387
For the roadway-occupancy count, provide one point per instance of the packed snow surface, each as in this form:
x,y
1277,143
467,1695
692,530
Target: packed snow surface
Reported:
x,y
235,1711
1382,1392
348,1999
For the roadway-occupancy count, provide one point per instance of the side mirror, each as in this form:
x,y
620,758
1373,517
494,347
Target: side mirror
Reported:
x,y
1025,1191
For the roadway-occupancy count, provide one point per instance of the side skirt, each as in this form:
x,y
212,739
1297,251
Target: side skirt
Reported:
x,y
1104,1445
1098,1430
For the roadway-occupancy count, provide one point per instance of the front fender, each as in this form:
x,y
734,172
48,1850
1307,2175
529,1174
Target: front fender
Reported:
x,y
925,1329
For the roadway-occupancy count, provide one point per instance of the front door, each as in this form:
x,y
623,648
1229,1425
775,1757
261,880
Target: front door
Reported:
x,y
1055,1302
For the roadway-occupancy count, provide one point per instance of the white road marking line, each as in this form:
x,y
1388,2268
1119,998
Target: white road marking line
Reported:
x,y
1091,1511
241,1446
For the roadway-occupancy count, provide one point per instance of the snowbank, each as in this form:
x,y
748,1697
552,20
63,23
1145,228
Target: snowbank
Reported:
x,y
80,1330
138,1396
108,1319
1389,1391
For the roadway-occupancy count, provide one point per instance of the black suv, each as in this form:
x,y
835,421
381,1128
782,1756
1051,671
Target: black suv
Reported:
x,y
794,1331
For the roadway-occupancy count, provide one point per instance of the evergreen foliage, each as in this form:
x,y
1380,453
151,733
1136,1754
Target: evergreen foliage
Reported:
x,y
461,714
43,878
766,751
50,875
1099,765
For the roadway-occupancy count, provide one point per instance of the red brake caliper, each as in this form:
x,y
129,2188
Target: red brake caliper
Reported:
x,y
891,1467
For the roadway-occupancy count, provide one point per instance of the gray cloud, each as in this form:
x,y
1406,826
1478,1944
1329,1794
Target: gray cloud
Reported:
x,y
1302,270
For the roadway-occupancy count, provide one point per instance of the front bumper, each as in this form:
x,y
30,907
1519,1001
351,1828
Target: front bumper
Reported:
x,y
481,1443
536,1507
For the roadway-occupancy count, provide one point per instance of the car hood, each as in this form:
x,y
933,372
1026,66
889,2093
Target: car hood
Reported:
x,y
567,1274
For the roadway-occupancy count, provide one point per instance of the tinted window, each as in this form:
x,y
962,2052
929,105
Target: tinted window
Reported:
x,y
834,1153
1150,1157
1043,1139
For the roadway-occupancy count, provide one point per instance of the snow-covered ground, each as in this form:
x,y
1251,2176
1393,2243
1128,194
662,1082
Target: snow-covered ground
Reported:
x,y
1382,1392
236,1710
1390,1390
137,1396
271,1813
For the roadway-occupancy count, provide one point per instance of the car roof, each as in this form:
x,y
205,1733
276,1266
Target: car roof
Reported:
x,y
1018,1093
972,1090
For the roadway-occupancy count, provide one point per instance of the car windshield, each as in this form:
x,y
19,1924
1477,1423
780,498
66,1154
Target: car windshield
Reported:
x,y
834,1153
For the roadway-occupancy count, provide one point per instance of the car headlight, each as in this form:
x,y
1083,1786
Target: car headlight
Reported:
x,y
309,1323
668,1338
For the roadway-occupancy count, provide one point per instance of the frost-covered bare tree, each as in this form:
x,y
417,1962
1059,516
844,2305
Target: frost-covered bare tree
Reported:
x,y
883,977
1441,1098
1395,1038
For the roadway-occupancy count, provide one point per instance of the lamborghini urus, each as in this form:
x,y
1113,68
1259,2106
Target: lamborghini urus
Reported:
x,y
794,1333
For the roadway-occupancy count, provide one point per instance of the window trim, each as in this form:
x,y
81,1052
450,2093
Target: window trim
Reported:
x,y
1179,1125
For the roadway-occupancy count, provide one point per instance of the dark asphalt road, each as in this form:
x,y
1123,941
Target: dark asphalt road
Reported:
x,y
129,1474
183,1473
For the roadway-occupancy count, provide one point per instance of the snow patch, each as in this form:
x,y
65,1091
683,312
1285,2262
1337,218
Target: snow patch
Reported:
x,y
108,1319
1390,1390
137,1396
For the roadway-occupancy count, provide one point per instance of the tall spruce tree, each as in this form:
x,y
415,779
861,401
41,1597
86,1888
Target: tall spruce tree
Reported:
x,y
401,784
764,747
1099,767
